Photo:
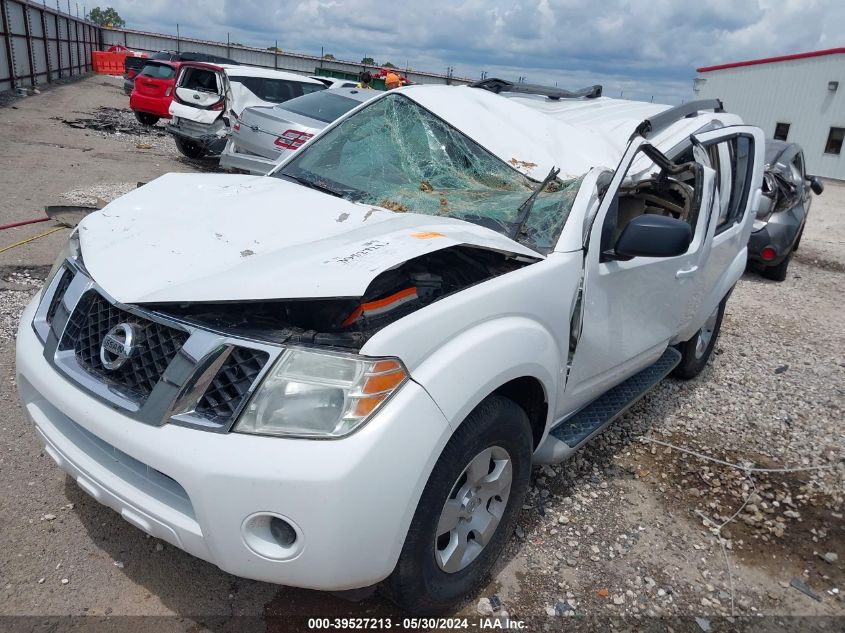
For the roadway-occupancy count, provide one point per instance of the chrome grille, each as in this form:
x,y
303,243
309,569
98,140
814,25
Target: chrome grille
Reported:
x,y
158,344
177,373
58,295
231,386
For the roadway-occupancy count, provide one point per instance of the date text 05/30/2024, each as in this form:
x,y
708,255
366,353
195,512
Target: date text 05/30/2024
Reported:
x,y
441,624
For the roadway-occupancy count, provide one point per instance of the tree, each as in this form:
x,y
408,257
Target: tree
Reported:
x,y
388,65
275,49
328,56
368,61
106,17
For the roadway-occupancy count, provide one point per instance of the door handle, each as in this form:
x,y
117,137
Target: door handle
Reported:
x,y
686,272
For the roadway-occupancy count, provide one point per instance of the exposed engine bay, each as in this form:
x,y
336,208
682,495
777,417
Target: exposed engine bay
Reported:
x,y
350,322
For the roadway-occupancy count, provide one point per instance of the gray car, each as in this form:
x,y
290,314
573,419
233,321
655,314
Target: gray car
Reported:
x,y
262,136
782,212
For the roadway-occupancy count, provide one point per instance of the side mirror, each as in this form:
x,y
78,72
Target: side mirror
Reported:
x,y
816,184
654,236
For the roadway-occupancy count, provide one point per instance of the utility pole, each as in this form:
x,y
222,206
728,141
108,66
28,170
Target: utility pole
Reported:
x,y
178,47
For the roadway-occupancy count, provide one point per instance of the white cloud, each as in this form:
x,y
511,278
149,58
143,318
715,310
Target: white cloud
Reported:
x,y
643,47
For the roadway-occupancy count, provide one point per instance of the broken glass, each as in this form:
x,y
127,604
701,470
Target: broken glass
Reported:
x,y
397,155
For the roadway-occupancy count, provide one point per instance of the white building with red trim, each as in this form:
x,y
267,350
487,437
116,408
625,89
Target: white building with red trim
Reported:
x,y
798,98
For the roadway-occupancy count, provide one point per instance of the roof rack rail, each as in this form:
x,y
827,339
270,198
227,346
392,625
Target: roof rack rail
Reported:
x,y
666,118
500,85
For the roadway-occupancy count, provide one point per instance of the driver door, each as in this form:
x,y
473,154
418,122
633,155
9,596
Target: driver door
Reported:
x,y
632,308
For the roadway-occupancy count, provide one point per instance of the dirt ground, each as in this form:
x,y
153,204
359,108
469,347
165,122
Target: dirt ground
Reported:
x,y
627,529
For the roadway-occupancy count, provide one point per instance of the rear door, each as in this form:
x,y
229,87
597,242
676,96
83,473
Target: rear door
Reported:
x,y
256,91
739,151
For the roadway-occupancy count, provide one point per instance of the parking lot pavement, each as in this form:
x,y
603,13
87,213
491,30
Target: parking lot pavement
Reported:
x,y
617,531
43,158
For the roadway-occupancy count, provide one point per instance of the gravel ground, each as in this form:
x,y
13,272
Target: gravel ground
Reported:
x,y
628,527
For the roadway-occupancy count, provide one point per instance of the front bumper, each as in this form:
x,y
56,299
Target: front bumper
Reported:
x,y
351,500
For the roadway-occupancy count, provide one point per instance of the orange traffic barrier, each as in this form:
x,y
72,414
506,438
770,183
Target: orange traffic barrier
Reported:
x,y
107,63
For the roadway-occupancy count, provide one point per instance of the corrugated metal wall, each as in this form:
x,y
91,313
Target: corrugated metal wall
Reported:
x,y
308,64
794,92
41,45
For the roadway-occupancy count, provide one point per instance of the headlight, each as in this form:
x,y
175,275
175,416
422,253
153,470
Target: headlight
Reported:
x,y
70,251
319,394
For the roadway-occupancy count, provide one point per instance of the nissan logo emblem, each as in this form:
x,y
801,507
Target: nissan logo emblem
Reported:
x,y
118,346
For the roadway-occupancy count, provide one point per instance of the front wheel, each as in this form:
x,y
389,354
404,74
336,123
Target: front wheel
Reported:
x,y
467,511
696,352
146,119
189,148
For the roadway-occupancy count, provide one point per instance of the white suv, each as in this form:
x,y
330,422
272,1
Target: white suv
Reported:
x,y
340,374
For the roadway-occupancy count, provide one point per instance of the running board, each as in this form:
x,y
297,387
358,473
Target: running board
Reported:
x,y
575,431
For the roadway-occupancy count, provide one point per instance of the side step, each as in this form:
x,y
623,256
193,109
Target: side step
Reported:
x,y
583,425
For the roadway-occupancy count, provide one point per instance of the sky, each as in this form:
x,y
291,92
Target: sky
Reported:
x,y
638,49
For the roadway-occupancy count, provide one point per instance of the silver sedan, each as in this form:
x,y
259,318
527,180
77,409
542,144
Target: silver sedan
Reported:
x,y
262,136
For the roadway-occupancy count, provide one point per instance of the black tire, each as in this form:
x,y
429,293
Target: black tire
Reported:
x,y
146,119
189,148
418,584
777,273
693,360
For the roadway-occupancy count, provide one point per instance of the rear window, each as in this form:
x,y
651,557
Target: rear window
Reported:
x,y
199,79
158,71
276,90
325,106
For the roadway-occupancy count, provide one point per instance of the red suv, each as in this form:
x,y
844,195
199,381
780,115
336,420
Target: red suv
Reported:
x,y
153,91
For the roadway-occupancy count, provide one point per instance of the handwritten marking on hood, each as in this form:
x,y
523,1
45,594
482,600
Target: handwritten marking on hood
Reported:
x,y
247,253
367,248
342,217
369,213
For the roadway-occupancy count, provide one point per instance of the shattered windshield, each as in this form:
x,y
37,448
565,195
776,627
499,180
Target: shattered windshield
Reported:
x,y
397,155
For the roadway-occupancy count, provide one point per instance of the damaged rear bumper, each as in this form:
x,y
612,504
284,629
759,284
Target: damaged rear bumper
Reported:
x,y
211,137
254,164
780,233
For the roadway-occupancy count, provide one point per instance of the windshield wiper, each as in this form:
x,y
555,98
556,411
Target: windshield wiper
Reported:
x,y
525,207
311,184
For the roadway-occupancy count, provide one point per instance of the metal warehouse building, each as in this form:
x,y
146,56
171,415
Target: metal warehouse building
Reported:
x,y
799,98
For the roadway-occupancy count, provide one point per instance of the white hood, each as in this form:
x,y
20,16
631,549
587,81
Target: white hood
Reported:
x,y
200,237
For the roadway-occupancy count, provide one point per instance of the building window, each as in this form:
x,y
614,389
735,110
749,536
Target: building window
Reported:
x,y
781,131
834,140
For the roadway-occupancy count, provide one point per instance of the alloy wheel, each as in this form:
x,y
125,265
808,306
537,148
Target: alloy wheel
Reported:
x,y
473,510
